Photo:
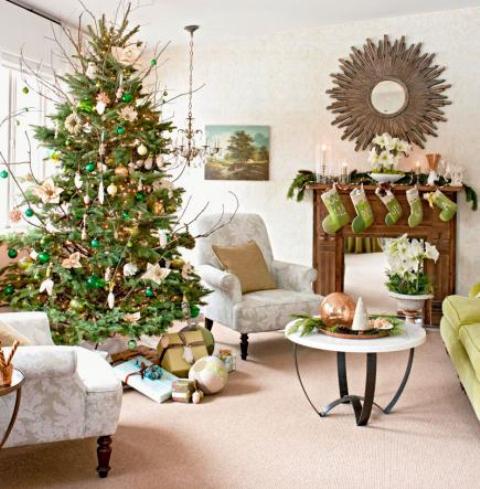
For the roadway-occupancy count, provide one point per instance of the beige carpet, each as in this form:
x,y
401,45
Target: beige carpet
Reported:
x,y
260,433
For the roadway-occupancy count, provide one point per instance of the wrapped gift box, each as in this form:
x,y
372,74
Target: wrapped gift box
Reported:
x,y
158,390
228,358
182,390
178,351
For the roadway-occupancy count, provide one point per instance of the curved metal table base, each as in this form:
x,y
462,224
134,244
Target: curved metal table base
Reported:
x,y
362,405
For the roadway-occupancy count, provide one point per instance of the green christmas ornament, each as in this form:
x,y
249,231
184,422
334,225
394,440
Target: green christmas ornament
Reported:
x,y
127,97
416,207
149,292
90,166
29,212
132,344
338,215
12,253
99,283
92,281
125,215
120,130
9,289
364,218
139,196
43,257
4,174
26,90
85,106
95,243
194,311
153,62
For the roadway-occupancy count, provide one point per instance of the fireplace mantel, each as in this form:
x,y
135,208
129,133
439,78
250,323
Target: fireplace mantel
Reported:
x,y
328,249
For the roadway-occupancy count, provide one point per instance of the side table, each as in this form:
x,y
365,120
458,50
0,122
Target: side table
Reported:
x,y
16,386
411,337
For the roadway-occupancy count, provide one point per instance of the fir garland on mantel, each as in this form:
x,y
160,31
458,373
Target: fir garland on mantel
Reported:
x,y
306,177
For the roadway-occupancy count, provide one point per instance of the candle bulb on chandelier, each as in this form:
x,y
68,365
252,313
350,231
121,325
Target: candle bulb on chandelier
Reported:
x,y
344,174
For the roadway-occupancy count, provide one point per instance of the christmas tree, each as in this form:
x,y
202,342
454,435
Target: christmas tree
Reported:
x,y
105,230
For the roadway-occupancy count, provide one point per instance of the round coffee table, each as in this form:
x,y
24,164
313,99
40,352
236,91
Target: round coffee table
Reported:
x,y
16,386
411,337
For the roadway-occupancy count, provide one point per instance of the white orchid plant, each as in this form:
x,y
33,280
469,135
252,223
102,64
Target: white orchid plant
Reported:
x,y
405,259
386,153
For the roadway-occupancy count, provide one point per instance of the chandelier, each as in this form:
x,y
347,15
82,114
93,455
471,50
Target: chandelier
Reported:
x,y
190,147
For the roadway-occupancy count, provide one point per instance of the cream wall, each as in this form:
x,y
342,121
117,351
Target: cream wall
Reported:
x,y
281,80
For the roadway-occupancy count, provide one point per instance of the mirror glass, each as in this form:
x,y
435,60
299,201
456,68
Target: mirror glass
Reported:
x,y
388,97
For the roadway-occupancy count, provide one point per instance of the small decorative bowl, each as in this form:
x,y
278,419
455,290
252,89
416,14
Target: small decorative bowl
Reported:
x,y
387,177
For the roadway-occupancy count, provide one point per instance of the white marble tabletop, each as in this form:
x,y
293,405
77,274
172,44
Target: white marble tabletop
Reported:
x,y
411,337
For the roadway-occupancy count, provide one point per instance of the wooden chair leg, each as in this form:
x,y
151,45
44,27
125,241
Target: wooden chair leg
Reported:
x,y
209,324
244,345
104,450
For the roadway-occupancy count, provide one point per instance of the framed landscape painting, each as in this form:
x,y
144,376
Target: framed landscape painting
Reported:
x,y
244,153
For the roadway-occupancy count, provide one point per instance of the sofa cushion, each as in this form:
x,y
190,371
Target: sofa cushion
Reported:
x,y
461,310
470,338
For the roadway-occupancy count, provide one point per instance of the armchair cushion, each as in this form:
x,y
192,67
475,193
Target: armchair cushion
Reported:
x,y
270,310
248,264
293,277
40,362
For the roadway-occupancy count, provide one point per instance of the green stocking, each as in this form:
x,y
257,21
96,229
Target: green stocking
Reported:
x,y
391,203
447,207
338,215
364,218
416,207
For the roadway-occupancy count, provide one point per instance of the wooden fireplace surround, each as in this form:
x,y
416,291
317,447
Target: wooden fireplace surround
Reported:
x,y
328,249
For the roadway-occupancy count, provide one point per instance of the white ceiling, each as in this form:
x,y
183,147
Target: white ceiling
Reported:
x,y
232,19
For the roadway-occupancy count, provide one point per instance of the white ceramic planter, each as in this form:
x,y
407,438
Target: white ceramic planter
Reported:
x,y
387,177
410,302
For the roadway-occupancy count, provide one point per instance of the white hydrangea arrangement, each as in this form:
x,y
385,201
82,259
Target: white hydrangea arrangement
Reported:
x,y
386,153
405,259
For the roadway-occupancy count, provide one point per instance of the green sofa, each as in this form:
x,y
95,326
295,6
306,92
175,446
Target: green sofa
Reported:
x,y
460,330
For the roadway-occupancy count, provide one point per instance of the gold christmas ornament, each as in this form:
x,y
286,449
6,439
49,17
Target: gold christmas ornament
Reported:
x,y
121,171
158,208
177,263
112,189
337,309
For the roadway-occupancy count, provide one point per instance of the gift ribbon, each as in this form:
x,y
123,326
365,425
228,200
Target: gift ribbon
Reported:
x,y
183,345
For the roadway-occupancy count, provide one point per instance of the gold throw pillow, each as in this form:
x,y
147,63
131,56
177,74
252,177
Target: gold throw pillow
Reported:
x,y
8,335
246,261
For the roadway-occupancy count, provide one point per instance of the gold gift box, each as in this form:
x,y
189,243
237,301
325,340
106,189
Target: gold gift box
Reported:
x,y
171,351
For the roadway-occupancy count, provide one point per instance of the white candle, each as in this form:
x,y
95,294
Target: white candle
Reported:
x,y
320,160
417,167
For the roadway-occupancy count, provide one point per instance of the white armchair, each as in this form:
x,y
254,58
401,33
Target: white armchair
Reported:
x,y
265,310
69,392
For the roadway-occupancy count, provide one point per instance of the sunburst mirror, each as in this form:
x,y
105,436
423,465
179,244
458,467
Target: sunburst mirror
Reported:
x,y
388,87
